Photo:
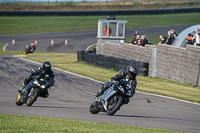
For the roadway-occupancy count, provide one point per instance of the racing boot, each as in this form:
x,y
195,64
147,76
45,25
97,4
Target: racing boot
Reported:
x,y
20,90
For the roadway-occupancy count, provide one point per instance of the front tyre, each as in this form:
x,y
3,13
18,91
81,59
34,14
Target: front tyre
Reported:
x,y
32,97
112,109
93,109
24,52
18,101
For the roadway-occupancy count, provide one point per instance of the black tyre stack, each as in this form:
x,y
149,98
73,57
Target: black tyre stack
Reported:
x,y
108,62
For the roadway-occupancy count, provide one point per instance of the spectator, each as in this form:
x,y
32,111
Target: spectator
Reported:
x,y
147,41
188,39
142,41
134,41
169,39
106,31
196,38
173,34
137,39
163,39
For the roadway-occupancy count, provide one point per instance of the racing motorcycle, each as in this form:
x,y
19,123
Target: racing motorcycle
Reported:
x,y
36,86
27,50
112,98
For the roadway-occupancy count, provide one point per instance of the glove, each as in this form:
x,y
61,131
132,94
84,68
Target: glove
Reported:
x,y
28,77
50,84
115,83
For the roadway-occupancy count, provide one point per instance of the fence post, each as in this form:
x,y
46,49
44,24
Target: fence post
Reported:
x,y
154,53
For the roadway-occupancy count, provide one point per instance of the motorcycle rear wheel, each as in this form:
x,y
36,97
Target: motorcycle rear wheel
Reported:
x,y
116,106
93,109
32,98
17,101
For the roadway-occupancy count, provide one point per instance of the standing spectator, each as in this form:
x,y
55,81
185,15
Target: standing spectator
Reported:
x,y
173,34
163,39
147,41
196,38
142,41
169,39
134,41
137,39
106,31
188,39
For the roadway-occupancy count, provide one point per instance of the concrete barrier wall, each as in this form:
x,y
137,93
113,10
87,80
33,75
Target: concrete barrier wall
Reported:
x,y
127,51
178,64
172,63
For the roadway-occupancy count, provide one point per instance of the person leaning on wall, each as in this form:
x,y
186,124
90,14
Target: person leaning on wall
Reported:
x,y
196,38
163,39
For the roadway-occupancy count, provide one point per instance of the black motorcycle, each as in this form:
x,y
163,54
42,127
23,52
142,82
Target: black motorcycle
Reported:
x,y
36,87
112,99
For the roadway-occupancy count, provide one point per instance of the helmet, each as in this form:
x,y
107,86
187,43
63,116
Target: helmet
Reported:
x,y
46,66
132,71
32,44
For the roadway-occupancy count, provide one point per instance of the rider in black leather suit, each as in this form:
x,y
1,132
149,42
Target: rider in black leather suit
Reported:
x,y
129,76
46,69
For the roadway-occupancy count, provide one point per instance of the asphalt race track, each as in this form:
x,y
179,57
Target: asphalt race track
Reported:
x,y
71,96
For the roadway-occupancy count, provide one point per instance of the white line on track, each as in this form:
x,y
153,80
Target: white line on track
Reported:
x,y
102,82
4,48
90,46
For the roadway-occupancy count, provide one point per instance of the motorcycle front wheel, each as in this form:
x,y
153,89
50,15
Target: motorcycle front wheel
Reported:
x,y
112,109
32,97
17,101
24,52
93,109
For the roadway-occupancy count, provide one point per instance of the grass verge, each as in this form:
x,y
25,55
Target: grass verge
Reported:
x,y
42,24
16,123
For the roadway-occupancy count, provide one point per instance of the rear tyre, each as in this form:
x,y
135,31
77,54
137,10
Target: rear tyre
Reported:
x,y
93,109
115,107
17,101
33,97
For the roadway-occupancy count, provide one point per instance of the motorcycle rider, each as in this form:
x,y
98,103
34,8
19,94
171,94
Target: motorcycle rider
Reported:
x,y
49,76
32,48
129,76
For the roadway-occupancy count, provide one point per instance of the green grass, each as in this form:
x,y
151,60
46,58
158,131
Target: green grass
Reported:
x,y
42,24
16,123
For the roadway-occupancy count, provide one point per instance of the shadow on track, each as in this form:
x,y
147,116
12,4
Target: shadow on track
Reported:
x,y
55,107
144,117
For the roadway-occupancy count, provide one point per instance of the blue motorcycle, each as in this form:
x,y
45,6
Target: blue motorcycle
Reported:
x,y
113,98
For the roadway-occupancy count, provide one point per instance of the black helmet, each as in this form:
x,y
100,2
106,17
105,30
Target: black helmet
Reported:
x,y
46,66
132,71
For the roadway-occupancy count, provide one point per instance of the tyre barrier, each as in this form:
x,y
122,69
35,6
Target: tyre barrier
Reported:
x,y
108,62
95,13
